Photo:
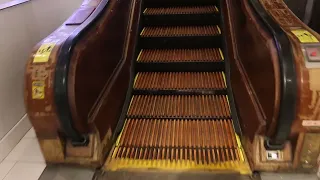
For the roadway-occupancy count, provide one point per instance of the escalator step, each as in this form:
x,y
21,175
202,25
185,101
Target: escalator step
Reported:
x,y
180,80
181,10
174,144
178,133
173,135
179,106
180,55
180,31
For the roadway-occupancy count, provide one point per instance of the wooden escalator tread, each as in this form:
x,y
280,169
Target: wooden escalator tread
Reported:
x,y
180,55
179,106
180,31
181,10
206,140
180,81
184,144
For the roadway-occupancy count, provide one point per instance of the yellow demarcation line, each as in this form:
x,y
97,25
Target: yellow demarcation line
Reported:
x,y
113,164
216,8
139,55
129,107
119,137
221,54
181,165
219,29
240,147
145,11
224,78
135,79
228,101
142,31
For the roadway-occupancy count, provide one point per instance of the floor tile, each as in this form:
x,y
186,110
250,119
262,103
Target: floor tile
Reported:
x,y
30,134
5,167
288,176
13,137
65,172
28,150
25,171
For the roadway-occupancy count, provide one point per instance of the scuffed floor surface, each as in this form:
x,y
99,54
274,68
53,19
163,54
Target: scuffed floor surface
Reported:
x,y
56,172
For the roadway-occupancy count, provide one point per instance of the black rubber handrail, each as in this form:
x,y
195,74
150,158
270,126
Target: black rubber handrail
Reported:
x,y
287,110
61,78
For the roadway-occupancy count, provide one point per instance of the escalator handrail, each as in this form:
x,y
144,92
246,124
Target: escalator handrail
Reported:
x,y
288,82
61,77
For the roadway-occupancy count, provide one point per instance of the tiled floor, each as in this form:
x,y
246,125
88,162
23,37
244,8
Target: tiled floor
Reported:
x,y
25,161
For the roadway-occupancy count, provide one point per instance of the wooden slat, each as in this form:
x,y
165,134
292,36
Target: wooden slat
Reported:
x,y
202,141
174,31
182,106
180,55
179,81
181,10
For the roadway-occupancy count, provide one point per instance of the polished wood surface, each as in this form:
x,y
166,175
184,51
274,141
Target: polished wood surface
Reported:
x,y
254,70
255,79
308,99
98,76
94,61
308,106
42,112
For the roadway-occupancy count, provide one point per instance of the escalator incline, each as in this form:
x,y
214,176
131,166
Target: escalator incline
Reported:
x,y
179,114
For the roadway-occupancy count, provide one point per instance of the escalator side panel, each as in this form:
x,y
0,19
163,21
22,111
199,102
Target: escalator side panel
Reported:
x,y
91,86
307,106
104,44
104,117
306,84
40,73
250,63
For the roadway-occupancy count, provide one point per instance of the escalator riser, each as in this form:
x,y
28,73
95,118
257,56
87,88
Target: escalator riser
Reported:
x,y
180,31
180,81
179,106
181,10
180,55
